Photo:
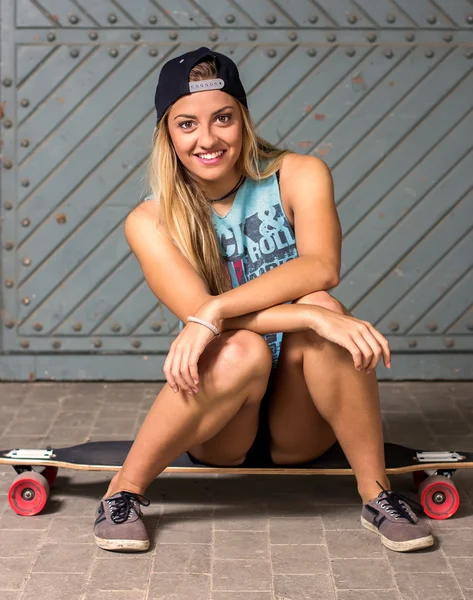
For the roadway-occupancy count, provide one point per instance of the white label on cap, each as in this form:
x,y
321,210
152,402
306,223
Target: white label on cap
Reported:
x,y
206,84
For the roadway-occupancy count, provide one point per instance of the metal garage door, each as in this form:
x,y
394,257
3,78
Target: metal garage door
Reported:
x,y
382,90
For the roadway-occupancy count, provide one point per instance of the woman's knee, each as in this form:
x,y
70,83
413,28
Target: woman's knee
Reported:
x,y
236,356
324,299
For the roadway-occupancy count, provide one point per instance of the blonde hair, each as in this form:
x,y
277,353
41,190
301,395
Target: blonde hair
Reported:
x,y
185,213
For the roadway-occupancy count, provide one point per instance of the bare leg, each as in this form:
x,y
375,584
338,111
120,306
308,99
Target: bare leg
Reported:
x,y
349,401
322,398
178,422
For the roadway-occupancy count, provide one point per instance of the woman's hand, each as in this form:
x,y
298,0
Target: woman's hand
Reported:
x,y
180,366
365,343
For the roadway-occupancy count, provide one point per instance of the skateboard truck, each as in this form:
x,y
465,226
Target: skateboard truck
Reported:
x,y
443,457
30,454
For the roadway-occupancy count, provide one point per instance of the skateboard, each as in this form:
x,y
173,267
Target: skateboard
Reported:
x,y
432,471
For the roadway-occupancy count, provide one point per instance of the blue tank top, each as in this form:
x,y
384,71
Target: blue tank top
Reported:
x,y
255,236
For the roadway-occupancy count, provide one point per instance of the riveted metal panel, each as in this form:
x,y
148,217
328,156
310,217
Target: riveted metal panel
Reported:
x,y
380,90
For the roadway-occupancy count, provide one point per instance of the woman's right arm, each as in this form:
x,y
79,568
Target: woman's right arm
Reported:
x,y
168,273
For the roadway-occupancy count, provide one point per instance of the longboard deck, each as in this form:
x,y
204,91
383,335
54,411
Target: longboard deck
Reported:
x,y
110,456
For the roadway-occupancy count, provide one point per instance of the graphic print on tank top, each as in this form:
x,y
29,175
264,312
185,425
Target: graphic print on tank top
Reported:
x,y
255,236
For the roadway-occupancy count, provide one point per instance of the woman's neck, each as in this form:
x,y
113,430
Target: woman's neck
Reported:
x,y
219,188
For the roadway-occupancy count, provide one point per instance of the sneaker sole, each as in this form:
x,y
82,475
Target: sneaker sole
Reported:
x,y
406,546
122,545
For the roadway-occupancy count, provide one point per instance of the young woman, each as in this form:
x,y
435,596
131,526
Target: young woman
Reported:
x,y
241,241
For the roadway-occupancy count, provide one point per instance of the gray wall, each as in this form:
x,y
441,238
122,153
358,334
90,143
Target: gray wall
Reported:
x,y
382,91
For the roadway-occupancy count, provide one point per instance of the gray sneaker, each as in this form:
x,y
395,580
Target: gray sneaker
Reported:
x,y
390,515
118,525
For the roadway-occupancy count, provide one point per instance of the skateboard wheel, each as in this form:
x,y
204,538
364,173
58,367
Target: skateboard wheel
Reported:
x,y
418,477
50,473
28,493
439,497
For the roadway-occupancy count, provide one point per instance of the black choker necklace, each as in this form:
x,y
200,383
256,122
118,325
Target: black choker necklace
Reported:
x,y
232,191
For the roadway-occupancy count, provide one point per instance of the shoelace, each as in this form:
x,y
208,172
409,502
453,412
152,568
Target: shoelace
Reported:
x,y
395,500
121,508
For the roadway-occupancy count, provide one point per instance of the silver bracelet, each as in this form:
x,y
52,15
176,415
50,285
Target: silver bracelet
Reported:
x,y
212,328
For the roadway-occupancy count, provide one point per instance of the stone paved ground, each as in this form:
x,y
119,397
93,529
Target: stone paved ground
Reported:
x,y
225,537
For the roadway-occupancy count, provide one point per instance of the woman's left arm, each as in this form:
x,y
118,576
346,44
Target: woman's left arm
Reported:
x,y
306,184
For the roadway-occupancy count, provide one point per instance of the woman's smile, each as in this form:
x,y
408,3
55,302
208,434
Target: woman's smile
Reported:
x,y
210,158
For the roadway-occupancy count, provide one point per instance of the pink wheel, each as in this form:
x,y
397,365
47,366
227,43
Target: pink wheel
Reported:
x,y
28,494
50,473
418,477
439,497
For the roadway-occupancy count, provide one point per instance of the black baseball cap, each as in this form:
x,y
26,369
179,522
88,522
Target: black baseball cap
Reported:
x,y
173,82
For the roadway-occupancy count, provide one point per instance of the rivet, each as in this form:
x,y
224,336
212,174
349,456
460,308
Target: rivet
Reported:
x,y
213,37
153,52
77,327
313,19
156,326
173,35
409,37
25,222
432,326
7,82
428,53
113,52
8,205
448,37
388,53
136,35
7,164
252,36
25,301
93,35
74,19
352,19
8,245
469,54
26,262
271,19
371,37
312,52
230,18
74,53
97,343
112,18
56,344
391,18
9,324
7,123
271,53
25,182
51,36
350,52
469,19
331,37
412,343
469,326
449,342
152,20
24,344
393,326
25,143
136,344
8,283
116,327
432,19
38,326
25,102
292,35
